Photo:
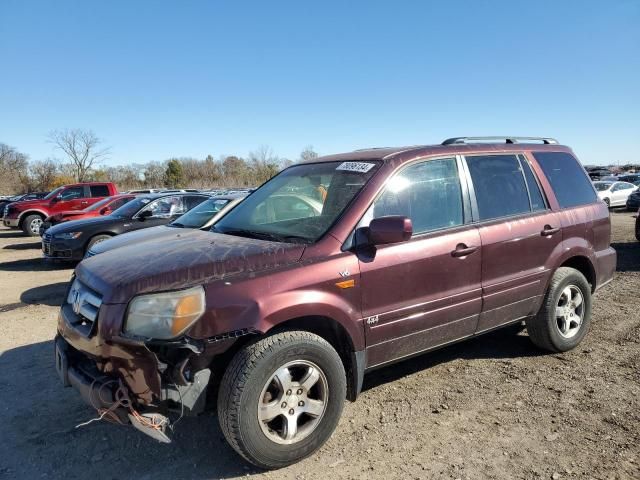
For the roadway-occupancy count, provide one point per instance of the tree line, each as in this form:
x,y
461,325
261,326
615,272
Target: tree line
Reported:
x,y
83,156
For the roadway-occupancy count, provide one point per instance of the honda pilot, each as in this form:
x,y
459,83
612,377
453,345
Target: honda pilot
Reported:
x,y
331,269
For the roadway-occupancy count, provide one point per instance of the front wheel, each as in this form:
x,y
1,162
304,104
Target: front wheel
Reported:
x,y
565,315
281,398
31,225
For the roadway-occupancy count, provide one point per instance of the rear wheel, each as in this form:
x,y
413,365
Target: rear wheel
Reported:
x,y
31,225
565,315
281,398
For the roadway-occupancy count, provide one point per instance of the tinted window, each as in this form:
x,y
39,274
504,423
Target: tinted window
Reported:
x,y
193,200
535,194
567,178
99,190
119,202
73,193
499,186
200,214
428,193
602,186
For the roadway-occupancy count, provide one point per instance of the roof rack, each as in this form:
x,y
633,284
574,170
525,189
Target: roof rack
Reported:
x,y
459,140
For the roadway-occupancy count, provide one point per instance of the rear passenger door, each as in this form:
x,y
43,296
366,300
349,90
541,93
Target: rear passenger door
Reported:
x,y
518,232
425,292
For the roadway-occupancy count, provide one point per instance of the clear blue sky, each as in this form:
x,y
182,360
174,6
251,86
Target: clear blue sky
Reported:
x,y
188,78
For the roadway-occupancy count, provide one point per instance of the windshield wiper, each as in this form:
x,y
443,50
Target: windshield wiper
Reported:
x,y
251,234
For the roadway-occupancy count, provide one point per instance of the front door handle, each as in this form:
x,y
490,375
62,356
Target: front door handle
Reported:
x,y
462,250
548,230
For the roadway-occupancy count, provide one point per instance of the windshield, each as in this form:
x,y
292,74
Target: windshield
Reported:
x,y
131,208
98,205
602,186
54,193
200,214
299,204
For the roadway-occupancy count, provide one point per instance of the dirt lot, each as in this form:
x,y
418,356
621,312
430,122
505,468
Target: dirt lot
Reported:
x,y
494,407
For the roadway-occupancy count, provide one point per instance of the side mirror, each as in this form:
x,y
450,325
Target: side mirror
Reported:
x,y
390,229
105,211
145,214
57,198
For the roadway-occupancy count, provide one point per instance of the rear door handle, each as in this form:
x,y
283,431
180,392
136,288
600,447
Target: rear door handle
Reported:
x,y
462,250
548,230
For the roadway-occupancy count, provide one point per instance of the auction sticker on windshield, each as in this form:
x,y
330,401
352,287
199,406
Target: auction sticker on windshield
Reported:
x,y
361,167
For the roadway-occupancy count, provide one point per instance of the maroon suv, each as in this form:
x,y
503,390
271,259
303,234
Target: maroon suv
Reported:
x,y
333,268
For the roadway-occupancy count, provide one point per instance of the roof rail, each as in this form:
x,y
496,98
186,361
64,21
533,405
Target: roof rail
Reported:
x,y
459,140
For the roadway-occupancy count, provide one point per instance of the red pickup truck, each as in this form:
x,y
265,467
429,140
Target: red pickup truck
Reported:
x,y
30,214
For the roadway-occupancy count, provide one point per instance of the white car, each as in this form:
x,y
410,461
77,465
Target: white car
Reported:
x,y
614,194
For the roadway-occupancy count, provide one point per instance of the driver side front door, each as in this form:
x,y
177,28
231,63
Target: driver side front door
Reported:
x,y
427,291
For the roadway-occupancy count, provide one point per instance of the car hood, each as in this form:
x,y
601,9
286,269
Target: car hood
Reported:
x,y
199,257
161,232
84,224
35,202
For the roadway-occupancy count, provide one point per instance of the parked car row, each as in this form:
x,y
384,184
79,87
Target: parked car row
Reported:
x,y
275,310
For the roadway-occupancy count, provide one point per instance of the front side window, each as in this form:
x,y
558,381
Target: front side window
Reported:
x,y
602,186
428,193
568,179
72,193
499,186
166,207
301,203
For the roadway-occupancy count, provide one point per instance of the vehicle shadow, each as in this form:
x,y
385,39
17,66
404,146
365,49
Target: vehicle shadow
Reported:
x,y
12,234
503,343
51,295
40,434
33,265
24,246
628,256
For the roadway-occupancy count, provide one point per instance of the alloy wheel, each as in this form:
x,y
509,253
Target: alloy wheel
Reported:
x,y
569,311
293,402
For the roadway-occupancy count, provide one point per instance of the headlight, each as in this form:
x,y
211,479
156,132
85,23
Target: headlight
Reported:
x,y
165,315
67,236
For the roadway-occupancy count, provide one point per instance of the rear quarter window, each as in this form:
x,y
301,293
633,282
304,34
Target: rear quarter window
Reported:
x,y
568,179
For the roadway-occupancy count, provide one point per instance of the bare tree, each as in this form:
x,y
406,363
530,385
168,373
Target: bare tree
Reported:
x,y
81,146
308,154
13,170
43,174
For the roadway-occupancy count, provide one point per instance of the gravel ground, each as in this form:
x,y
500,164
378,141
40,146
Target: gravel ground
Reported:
x,y
494,407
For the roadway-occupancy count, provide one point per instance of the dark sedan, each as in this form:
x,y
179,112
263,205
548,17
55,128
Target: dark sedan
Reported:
x,y
70,240
633,201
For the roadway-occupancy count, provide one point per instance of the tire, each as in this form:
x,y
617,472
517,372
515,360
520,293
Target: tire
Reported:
x,y
555,333
96,239
247,384
31,225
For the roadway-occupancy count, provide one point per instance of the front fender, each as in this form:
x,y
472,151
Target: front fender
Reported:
x,y
290,305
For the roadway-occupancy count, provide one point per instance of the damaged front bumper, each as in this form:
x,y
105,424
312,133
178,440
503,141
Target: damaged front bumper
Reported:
x,y
159,380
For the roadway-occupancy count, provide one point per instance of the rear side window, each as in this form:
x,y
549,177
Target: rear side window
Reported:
x,y
499,186
193,200
537,200
99,190
567,178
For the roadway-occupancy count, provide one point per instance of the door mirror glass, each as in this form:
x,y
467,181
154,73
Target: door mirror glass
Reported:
x,y
145,214
390,229
105,211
